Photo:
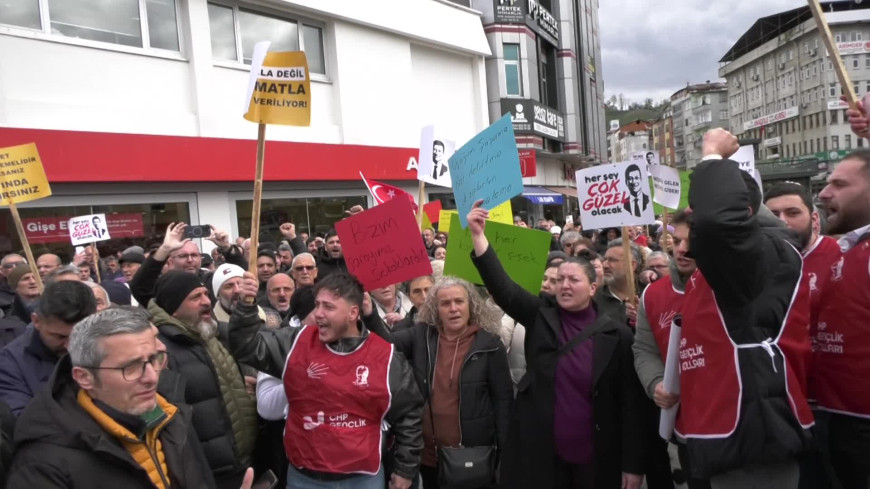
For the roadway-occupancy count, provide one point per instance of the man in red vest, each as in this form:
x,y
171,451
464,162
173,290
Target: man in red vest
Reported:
x,y
660,303
743,410
841,359
791,203
343,387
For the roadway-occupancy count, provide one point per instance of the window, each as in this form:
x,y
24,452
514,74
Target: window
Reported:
x,y
867,61
848,141
835,142
834,117
860,142
90,20
547,72
806,47
235,31
512,70
830,65
855,62
723,114
832,89
790,54
812,147
855,36
838,38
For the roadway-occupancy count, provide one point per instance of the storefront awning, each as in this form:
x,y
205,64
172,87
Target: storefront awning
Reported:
x,y
540,195
566,191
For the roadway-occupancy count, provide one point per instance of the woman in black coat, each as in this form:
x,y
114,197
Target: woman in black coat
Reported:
x,y
461,368
576,419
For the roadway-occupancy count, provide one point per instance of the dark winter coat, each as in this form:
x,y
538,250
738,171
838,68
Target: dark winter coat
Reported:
x,y
529,459
59,445
25,368
225,420
485,387
327,265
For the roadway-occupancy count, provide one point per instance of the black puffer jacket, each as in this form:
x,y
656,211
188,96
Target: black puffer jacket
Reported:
x,y
485,388
753,271
59,445
225,419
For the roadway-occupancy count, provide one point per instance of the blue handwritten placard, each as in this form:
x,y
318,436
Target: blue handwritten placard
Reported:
x,y
488,168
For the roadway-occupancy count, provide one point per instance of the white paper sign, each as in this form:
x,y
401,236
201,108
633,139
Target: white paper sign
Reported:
x,y
87,229
666,182
257,58
745,156
671,382
614,195
648,157
435,150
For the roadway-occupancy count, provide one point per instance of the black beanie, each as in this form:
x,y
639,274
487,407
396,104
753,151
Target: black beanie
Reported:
x,y
173,287
302,302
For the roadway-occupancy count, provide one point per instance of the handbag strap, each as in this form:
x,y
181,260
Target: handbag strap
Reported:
x,y
584,335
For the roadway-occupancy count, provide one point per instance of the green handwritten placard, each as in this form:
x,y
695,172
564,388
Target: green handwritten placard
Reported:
x,y
522,252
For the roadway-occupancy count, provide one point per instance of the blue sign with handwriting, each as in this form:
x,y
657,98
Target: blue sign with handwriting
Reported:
x,y
488,168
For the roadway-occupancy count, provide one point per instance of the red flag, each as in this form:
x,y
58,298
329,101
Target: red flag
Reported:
x,y
382,192
433,210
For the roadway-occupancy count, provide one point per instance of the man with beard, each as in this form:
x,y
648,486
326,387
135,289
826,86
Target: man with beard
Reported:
x,y
792,204
842,372
224,413
659,305
225,284
332,260
285,258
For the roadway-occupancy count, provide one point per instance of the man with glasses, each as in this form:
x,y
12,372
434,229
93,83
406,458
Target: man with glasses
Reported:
x,y
27,363
182,254
304,270
102,423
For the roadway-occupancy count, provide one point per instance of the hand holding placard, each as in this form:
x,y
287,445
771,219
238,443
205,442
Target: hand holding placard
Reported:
x,y
487,167
382,245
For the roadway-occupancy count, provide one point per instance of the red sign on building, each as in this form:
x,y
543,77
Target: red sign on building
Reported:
x,y
56,230
528,162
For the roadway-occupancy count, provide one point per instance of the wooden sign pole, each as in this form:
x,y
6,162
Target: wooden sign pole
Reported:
x,y
258,195
834,53
420,196
96,260
25,244
629,270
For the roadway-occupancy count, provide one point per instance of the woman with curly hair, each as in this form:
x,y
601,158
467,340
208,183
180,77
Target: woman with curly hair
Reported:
x,y
461,369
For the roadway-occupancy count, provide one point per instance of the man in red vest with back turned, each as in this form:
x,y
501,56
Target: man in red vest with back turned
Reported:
x,y
343,385
745,315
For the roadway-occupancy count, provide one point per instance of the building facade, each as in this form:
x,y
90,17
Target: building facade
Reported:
x,y
663,137
784,94
696,109
544,72
634,137
137,112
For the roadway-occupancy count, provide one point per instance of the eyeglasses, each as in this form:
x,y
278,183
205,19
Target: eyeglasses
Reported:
x,y
304,267
191,256
13,264
135,370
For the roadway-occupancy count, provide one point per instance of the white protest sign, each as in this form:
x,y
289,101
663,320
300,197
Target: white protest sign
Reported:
x,y
614,195
87,229
435,150
649,157
745,157
666,182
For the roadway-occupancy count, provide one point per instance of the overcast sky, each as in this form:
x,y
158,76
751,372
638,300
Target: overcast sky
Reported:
x,y
651,48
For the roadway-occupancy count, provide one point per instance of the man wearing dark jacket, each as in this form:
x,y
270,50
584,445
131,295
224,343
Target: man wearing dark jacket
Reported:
x,y
744,346
26,364
341,382
224,413
331,260
183,255
101,424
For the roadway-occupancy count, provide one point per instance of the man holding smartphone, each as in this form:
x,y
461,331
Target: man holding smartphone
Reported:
x,y
180,253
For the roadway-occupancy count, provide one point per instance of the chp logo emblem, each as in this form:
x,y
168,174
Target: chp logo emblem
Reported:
x,y
837,270
362,376
316,371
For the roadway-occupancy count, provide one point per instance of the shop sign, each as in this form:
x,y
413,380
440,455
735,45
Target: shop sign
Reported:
x,y
55,229
771,118
531,117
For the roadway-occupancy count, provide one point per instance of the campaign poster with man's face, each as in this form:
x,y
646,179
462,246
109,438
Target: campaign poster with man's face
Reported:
x,y
435,150
614,195
87,229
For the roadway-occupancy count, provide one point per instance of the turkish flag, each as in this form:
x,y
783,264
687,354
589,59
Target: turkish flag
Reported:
x,y
382,192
